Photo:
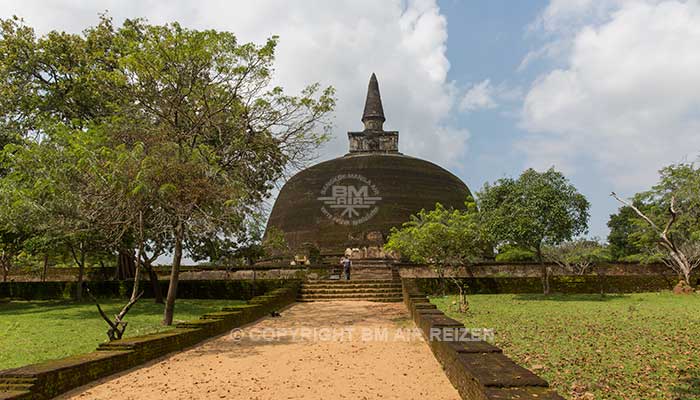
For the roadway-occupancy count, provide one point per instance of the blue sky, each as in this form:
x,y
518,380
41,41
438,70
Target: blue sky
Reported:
x,y
489,41
604,90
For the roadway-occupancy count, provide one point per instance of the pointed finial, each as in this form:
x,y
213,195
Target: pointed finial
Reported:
x,y
373,117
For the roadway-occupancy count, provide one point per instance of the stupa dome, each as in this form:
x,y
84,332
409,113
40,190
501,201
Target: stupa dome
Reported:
x,y
353,201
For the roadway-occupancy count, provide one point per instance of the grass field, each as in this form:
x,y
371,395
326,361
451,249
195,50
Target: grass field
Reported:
x,y
636,346
35,331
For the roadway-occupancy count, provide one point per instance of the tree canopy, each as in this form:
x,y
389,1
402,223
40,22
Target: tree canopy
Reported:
x,y
536,209
147,136
442,238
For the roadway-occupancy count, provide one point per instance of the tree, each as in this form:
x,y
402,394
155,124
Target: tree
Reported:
x,y
47,185
223,137
622,231
197,109
577,256
442,238
665,220
50,86
537,209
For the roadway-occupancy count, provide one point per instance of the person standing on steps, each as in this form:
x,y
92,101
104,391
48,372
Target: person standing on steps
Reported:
x,y
346,263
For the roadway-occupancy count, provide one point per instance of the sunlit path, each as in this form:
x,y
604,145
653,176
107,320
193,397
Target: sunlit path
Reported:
x,y
314,351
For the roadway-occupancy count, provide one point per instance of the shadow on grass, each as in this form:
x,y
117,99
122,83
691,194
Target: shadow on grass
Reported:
x,y
41,306
571,297
111,305
688,387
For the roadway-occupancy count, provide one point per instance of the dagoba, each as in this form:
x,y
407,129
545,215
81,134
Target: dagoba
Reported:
x,y
353,201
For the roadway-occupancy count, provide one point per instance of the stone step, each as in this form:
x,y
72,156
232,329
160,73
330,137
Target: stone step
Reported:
x,y
373,299
6,394
351,286
16,384
17,379
15,387
350,296
396,291
350,282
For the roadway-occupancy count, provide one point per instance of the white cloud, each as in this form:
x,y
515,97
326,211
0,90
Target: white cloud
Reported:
x,y
562,16
479,96
627,98
484,95
335,43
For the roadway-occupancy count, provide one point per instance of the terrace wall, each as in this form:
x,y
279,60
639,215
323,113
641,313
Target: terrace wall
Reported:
x,y
198,289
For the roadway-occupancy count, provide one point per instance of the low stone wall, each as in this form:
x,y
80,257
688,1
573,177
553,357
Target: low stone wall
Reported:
x,y
558,284
190,272
282,271
49,379
196,289
481,278
477,369
534,270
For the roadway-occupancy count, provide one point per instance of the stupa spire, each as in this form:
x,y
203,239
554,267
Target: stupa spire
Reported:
x,y
374,139
373,116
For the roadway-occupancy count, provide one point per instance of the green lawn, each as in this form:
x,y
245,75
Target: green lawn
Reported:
x,y
636,346
35,331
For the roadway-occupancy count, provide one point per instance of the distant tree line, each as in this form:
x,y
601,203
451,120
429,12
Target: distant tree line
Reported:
x,y
541,217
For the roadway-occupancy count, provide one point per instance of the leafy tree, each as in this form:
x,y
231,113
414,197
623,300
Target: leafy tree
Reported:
x,y
621,237
535,210
442,238
666,221
577,256
510,253
194,111
222,136
47,186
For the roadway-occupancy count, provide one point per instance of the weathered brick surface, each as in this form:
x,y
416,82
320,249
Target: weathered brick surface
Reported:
x,y
495,369
477,369
519,393
51,378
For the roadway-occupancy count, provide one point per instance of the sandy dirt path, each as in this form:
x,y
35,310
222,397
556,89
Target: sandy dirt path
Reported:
x,y
334,350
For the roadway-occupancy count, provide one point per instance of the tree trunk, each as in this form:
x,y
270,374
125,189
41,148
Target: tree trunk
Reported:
x,y
545,272
137,267
81,272
126,265
153,276
174,276
5,267
46,268
5,271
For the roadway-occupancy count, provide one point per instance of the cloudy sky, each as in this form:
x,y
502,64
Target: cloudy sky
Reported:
x,y
607,91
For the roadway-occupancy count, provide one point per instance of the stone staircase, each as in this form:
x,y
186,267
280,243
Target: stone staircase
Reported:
x,y
381,290
16,387
370,280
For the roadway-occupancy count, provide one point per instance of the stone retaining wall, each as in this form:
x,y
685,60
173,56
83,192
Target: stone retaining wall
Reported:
x,y
197,289
407,270
477,369
558,284
51,378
